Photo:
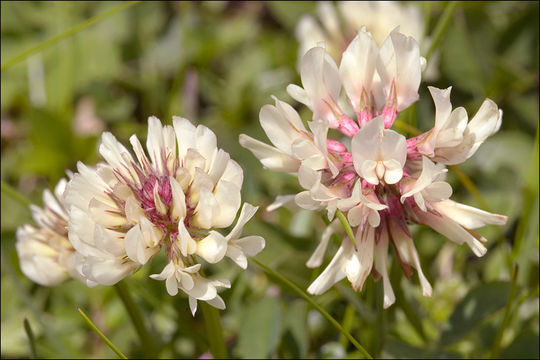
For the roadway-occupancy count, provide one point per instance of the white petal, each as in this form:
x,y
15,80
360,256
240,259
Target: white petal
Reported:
x,y
357,67
468,216
187,245
250,245
213,247
185,135
316,258
178,199
237,255
228,198
269,156
333,273
246,213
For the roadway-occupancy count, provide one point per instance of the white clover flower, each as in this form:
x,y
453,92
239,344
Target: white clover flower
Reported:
x,y
379,179
377,17
45,253
123,212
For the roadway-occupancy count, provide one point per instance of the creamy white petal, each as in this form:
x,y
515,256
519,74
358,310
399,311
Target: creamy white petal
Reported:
x,y
213,247
269,156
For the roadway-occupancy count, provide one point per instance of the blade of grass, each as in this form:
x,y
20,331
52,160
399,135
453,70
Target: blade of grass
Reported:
x,y
107,341
348,320
441,27
31,339
134,313
506,319
14,194
312,302
214,331
75,29
7,268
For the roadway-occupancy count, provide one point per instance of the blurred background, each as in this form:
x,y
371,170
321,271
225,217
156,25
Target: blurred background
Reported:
x,y
217,63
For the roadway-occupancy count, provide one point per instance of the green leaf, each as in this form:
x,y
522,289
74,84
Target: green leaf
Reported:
x,y
401,350
295,321
479,304
260,331
524,346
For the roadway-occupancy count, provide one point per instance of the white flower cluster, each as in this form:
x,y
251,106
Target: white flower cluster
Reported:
x,y
383,181
123,212
337,28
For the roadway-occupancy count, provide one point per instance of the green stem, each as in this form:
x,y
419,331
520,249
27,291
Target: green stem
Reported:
x,y
136,317
31,339
107,341
348,320
345,224
75,29
441,27
317,307
506,319
14,194
214,331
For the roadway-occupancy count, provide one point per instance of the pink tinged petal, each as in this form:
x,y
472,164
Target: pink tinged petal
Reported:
x,y
334,272
399,63
290,114
299,94
278,129
381,257
357,67
485,123
228,198
452,133
117,155
365,145
320,133
237,255
270,157
317,257
453,231
361,262
443,107
187,245
393,146
160,206
185,135
408,254
468,216
178,200
139,152
320,78
133,210
213,247
246,213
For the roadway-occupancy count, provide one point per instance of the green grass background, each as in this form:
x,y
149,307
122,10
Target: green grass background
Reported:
x,y
217,63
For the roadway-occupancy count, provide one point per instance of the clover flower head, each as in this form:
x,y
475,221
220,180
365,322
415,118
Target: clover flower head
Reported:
x,y
123,212
336,26
45,253
383,181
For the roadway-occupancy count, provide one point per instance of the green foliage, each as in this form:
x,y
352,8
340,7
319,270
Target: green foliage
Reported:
x,y
217,63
